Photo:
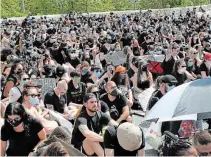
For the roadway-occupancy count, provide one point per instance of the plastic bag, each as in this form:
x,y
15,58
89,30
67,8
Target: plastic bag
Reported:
x,y
153,135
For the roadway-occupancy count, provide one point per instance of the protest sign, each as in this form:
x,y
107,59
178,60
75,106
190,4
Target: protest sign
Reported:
x,y
47,84
117,58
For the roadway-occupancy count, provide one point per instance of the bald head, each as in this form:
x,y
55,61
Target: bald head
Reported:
x,y
62,86
110,86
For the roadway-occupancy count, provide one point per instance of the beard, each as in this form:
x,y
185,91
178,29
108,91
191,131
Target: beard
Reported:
x,y
93,110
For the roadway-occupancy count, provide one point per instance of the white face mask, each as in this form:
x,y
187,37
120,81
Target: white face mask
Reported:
x,y
182,70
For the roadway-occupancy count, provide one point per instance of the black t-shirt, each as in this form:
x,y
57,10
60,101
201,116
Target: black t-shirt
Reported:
x,y
58,103
73,62
75,95
116,106
144,47
22,143
156,95
94,123
195,69
85,77
180,78
203,67
168,66
9,78
111,142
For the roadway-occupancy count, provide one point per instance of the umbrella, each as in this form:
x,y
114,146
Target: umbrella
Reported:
x,y
189,101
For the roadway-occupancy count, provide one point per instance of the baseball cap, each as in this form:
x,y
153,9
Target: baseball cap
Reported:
x,y
207,57
129,136
120,69
88,96
168,79
60,70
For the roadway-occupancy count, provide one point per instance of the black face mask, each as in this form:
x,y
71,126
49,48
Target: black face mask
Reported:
x,y
144,84
115,92
15,122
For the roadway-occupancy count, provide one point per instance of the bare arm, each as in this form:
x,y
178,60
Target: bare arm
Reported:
x,y
3,147
189,75
113,123
124,115
90,134
76,105
141,152
203,74
109,152
8,86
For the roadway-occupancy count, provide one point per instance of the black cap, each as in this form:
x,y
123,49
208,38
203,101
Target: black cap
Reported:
x,y
168,79
88,96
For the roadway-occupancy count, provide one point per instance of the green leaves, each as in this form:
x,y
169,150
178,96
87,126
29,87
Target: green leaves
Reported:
x,y
11,8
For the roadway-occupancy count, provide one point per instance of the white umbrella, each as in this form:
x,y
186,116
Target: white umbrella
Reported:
x,y
190,101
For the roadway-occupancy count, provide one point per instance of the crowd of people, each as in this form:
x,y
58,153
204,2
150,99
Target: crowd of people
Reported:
x,y
93,94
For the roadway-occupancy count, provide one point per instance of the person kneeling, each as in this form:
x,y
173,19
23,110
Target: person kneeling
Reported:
x,y
88,126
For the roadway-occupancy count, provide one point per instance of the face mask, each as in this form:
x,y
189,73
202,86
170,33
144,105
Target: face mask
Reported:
x,y
34,101
190,64
84,71
38,39
182,70
23,83
19,72
15,122
115,92
97,74
75,79
109,41
170,88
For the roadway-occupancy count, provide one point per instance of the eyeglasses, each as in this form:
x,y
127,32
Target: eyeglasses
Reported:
x,y
184,66
33,95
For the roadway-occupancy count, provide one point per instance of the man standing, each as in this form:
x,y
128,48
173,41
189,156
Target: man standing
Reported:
x,y
117,103
88,126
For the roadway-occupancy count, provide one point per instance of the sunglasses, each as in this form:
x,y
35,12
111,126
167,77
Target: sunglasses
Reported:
x,y
96,92
171,84
25,79
184,66
97,70
13,120
34,95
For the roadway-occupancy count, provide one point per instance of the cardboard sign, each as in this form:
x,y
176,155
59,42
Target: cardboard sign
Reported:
x,y
47,84
117,58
